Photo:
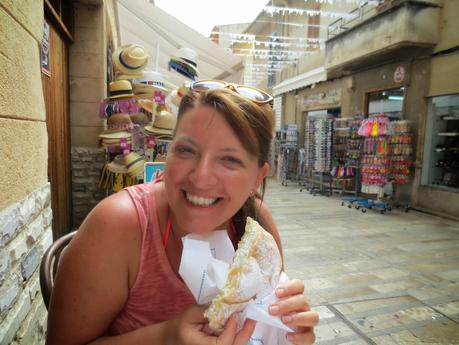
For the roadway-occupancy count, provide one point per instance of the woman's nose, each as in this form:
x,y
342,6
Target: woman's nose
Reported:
x,y
203,174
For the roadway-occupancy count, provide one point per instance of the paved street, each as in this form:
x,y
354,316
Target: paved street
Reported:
x,y
374,278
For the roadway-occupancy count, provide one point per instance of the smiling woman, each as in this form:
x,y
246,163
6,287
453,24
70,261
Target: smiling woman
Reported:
x,y
216,163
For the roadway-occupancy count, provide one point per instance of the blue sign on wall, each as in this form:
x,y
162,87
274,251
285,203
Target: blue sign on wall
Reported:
x,y
150,169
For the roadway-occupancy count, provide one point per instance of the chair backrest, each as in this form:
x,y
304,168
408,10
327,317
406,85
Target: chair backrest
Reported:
x,y
49,264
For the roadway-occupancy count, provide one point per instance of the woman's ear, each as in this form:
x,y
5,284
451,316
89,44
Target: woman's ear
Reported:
x,y
263,172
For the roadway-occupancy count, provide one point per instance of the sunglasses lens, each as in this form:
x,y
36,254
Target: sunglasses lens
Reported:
x,y
205,85
254,94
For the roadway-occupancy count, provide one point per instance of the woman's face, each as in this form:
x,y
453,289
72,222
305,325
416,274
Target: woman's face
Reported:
x,y
209,174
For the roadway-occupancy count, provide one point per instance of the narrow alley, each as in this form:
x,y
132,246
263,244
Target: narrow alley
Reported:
x,y
374,278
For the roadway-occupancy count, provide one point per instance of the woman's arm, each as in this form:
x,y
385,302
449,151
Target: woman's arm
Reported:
x,y
95,274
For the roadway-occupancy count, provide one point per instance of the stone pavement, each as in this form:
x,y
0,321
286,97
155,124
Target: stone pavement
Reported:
x,y
374,278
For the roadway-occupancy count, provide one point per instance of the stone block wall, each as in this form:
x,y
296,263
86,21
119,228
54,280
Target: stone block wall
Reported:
x,y
25,234
87,164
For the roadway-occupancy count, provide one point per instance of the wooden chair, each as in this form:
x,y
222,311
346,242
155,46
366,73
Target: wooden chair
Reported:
x,y
49,264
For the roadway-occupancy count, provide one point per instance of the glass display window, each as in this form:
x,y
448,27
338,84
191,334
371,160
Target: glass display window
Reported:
x,y
441,148
331,112
389,102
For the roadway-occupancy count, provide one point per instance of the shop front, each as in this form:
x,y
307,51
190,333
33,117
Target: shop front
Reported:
x,y
324,100
424,93
439,178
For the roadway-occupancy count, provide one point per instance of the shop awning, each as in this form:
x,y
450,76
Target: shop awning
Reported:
x,y
311,77
147,25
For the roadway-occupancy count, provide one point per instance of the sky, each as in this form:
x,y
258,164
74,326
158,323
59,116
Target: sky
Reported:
x,y
203,15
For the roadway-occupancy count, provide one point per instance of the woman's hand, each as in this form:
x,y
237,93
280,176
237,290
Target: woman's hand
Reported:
x,y
293,307
192,328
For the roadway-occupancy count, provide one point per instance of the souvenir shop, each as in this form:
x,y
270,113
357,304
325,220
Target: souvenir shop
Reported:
x,y
140,116
366,157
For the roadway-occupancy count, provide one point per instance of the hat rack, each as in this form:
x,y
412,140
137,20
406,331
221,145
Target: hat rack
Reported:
x,y
138,123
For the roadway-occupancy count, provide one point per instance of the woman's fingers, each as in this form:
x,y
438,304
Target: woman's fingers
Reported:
x,y
302,319
243,337
229,335
289,305
292,287
304,336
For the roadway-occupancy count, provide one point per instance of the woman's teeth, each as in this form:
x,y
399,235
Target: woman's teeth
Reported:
x,y
200,201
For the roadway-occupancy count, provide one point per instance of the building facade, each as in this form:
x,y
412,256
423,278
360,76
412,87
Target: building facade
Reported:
x,y
398,57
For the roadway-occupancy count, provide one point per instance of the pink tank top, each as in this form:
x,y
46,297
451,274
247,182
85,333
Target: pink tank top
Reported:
x,y
157,294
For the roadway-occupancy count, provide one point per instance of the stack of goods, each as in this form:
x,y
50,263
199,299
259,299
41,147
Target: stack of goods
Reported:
x,y
354,145
290,134
341,136
309,141
374,162
289,153
400,151
323,143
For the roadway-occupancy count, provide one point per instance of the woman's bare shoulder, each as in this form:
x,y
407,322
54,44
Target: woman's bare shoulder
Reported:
x,y
96,272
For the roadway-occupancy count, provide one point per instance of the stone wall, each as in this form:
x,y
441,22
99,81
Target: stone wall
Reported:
x,y
87,164
25,234
25,210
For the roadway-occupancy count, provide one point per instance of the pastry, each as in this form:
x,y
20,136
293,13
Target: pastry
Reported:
x,y
253,273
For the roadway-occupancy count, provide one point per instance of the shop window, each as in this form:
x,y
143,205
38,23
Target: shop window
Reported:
x,y
441,147
389,102
332,112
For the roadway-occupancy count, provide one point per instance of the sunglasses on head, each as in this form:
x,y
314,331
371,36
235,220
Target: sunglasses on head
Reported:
x,y
255,95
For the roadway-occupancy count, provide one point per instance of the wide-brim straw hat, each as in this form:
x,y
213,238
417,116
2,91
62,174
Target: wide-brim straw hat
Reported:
x,y
119,120
121,76
117,165
130,59
164,124
134,164
115,134
114,137
119,89
183,65
188,58
146,104
150,82
140,119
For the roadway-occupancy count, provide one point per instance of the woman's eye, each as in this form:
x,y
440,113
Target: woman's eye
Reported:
x,y
232,160
184,151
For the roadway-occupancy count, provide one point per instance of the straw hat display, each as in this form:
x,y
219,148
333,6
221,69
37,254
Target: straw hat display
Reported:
x,y
139,122
185,63
163,126
129,61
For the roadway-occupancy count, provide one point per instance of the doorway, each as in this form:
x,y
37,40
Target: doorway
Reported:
x,y
56,95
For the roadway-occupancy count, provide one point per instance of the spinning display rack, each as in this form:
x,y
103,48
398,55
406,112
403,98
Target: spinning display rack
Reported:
x,y
342,173
288,166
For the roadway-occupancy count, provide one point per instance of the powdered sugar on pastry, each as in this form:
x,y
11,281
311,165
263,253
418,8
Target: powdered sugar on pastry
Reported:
x,y
254,273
